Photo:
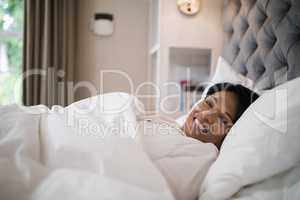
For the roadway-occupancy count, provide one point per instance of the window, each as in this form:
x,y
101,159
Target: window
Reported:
x,y
11,50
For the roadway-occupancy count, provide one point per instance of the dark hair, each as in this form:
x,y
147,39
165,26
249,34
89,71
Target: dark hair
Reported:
x,y
245,96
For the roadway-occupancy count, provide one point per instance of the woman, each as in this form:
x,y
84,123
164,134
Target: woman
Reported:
x,y
211,119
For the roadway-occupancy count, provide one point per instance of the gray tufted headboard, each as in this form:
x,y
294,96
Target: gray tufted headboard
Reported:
x,y
263,39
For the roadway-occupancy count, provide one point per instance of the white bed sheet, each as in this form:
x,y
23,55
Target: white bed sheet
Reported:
x,y
68,153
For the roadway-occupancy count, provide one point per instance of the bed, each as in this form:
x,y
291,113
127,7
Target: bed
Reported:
x,y
260,157
84,151
262,40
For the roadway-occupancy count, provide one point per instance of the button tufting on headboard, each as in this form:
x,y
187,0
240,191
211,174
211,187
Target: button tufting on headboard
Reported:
x,y
263,39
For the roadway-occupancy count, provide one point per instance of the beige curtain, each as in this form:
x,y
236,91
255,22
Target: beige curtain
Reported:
x,y
49,51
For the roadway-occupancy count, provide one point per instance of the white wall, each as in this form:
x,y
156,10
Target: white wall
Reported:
x,y
126,50
205,30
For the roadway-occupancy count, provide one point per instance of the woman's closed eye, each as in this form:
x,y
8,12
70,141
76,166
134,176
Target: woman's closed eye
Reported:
x,y
223,120
226,122
209,103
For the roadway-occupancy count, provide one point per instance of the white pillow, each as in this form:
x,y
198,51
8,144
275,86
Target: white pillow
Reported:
x,y
225,73
263,143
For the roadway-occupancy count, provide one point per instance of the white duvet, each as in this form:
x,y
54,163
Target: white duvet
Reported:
x,y
88,151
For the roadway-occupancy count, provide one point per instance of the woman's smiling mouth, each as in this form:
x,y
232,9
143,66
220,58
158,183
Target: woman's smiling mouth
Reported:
x,y
203,128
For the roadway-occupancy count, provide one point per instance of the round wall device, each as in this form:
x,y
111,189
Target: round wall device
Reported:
x,y
188,7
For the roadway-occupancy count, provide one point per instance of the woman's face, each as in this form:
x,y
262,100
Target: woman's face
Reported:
x,y
212,118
